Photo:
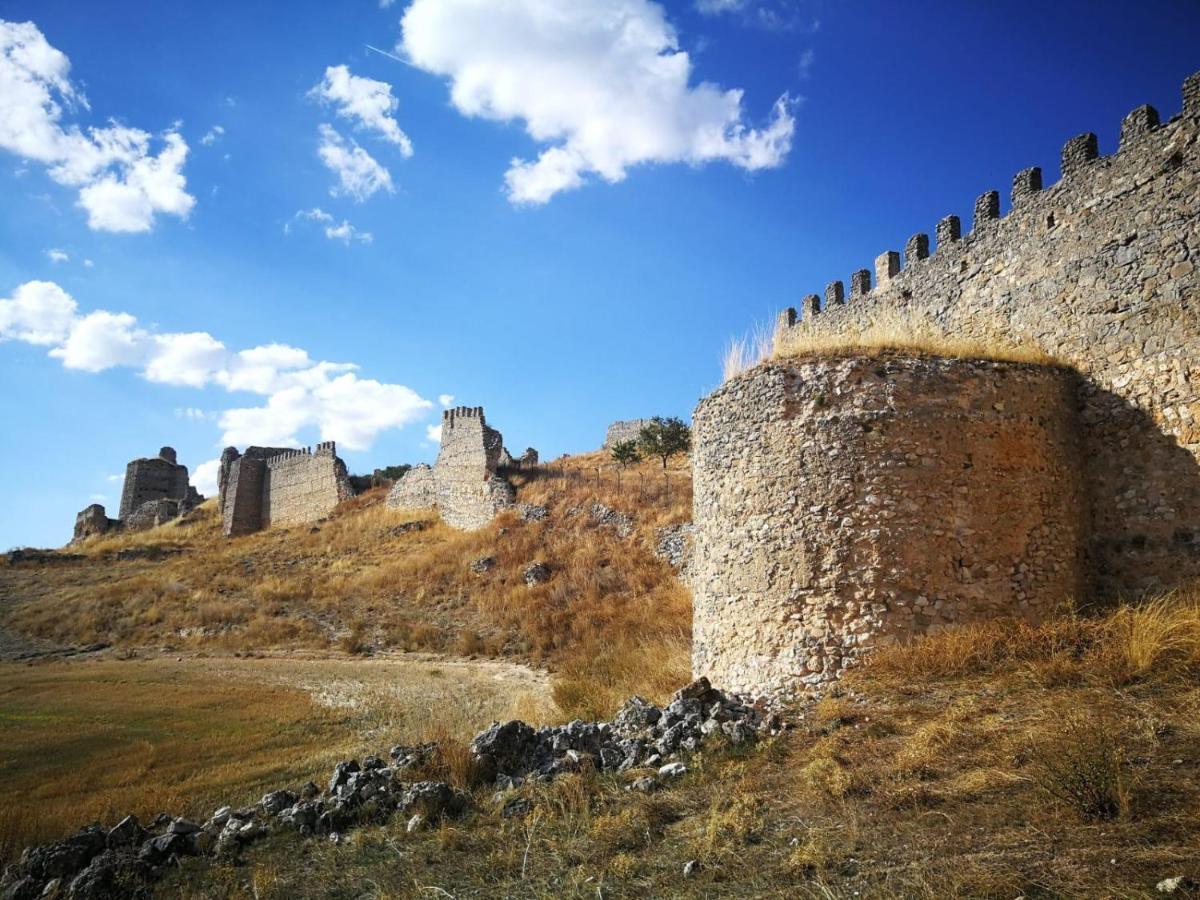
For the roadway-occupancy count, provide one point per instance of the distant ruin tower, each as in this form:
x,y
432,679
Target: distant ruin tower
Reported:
x,y
466,485
153,478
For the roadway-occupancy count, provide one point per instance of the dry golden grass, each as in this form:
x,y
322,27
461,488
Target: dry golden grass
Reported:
x,y
94,740
905,331
925,778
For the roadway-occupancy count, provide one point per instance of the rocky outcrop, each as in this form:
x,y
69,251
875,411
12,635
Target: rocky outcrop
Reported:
x,y
123,861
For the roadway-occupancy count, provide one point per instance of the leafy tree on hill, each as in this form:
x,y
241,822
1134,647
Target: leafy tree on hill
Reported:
x,y
664,438
625,453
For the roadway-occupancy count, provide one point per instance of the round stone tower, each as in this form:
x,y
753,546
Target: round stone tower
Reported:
x,y
842,503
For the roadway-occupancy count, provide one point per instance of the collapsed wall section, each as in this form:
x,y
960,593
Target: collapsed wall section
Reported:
x,y
464,484
1100,272
627,430
845,503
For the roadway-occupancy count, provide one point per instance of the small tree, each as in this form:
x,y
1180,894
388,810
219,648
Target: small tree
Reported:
x,y
664,438
625,453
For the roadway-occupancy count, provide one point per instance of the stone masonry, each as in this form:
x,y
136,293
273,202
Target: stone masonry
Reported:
x,y
155,478
628,430
156,490
466,484
1100,271
844,503
269,486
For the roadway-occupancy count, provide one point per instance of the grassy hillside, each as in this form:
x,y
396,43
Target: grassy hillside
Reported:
x,y
999,761
611,620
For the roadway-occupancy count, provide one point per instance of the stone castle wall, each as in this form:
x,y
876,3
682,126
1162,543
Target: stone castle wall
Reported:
x,y
303,486
1100,271
464,484
628,430
275,486
844,503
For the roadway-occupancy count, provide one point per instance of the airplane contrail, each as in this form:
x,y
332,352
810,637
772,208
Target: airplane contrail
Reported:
x,y
388,55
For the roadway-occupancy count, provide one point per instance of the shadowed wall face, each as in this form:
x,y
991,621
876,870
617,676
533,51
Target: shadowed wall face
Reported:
x,y
1100,271
153,478
845,503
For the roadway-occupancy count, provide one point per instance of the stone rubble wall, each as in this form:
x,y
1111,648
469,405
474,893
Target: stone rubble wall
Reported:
x,y
93,521
1100,271
845,503
416,489
628,430
464,484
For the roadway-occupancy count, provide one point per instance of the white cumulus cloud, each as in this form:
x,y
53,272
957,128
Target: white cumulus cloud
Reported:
x,y
205,478
433,433
364,101
39,312
447,400
122,184
299,393
601,83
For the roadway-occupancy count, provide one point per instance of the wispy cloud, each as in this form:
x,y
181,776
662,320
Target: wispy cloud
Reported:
x,y
345,232
359,174
57,256
213,135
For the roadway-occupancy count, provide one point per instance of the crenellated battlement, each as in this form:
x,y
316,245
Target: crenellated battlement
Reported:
x,y
1100,271
473,413
290,457
1079,160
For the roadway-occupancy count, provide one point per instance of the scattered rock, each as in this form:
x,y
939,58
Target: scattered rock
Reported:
x,y
95,863
691,867
277,801
516,808
1176,884
674,545
673,770
483,565
531,513
647,784
407,528
536,573
603,515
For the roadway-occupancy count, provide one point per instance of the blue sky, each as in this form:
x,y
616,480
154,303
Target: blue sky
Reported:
x,y
224,201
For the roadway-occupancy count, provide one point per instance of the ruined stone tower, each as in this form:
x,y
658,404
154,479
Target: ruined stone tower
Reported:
x,y
465,484
156,490
854,486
